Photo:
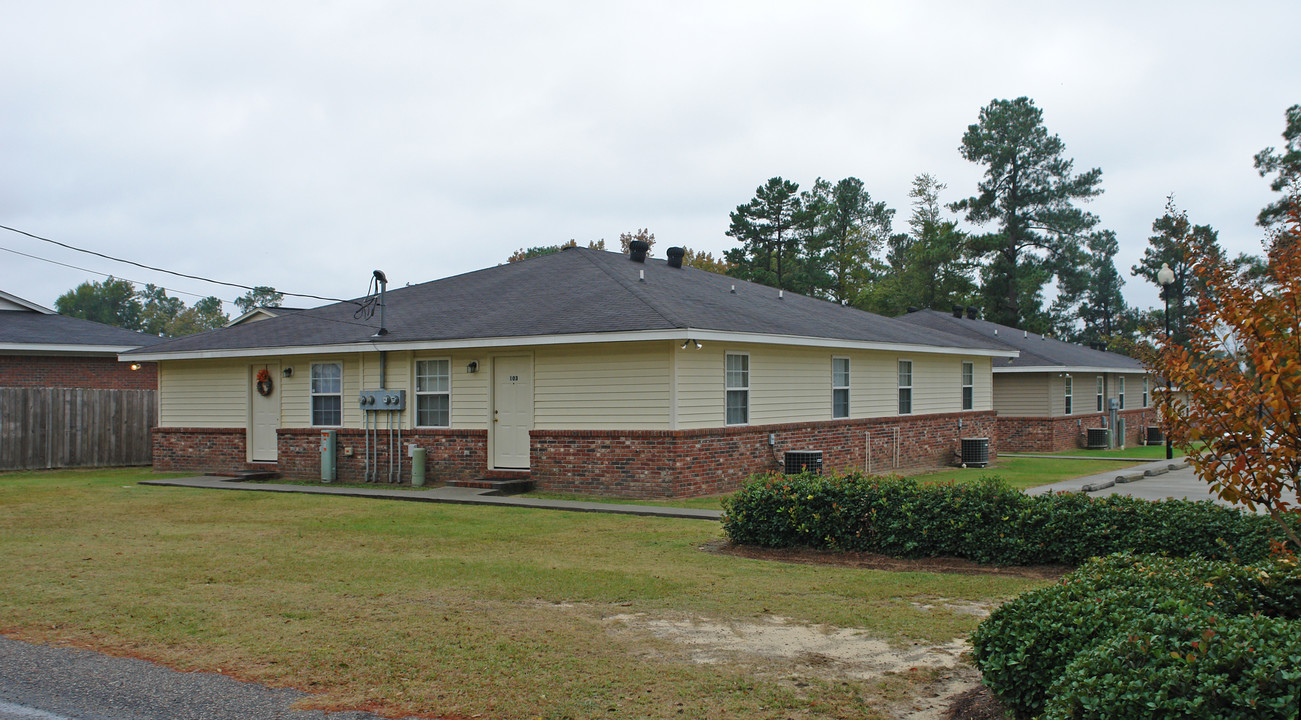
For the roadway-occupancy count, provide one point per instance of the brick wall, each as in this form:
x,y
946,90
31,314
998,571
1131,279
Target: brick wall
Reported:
x,y
449,454
632,464
650,463
199,449
1058,434
70,371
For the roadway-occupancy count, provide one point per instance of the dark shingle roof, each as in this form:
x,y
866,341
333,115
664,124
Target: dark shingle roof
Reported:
x,y
23,327
1036,350
576,291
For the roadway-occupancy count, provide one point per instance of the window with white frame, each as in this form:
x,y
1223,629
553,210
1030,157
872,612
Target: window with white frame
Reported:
x,y
905,387
738,388
968,385
1120,391
1100,390
1144,391
839,387
327,394
1070,391
433,393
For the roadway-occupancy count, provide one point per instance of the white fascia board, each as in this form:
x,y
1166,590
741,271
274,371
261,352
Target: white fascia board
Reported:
x,y
672,335
48,349
26,303
1071,369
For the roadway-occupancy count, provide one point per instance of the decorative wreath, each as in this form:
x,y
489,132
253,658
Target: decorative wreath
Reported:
x,y
263,382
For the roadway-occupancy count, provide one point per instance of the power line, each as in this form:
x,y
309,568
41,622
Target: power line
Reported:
x,y
161,270
107,275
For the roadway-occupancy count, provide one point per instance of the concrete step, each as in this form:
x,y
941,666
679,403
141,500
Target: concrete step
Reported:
x,y
497,486
242,475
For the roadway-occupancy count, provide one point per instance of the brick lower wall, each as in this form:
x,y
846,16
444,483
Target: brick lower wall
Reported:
x,y
1067,432
178,449
650,463
631,463
450,455
69,371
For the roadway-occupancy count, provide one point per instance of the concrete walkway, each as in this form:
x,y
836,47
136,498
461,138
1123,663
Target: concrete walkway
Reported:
x,y
1149,481
454,495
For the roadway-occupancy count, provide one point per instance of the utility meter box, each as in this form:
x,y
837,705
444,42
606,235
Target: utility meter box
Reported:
x,y
383,400
329,440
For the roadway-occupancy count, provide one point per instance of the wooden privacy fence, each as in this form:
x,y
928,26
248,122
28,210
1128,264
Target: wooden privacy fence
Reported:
x,y
75,427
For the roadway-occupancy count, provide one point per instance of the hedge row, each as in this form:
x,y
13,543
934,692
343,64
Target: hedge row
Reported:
x,y
985,521
1132,636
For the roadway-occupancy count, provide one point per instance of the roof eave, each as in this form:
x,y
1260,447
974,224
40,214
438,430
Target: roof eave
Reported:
x,y
54,349
1070,369
671,334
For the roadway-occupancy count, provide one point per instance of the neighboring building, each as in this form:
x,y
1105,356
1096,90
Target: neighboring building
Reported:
x,y
1049,395
65,399
584,370
265,312
42,349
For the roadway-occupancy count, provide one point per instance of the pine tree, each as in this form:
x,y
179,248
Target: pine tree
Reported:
x,y
766,227
844,231
1029,191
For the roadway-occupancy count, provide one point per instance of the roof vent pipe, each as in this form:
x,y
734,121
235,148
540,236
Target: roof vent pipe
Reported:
x,y
637,250
957,311
675,256
971,312
383,285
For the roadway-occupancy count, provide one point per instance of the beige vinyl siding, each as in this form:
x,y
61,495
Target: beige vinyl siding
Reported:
x,y
1028,394
983,393
469,390
1057,393
700,385
622,386
296,391
204,393
937,384
793,384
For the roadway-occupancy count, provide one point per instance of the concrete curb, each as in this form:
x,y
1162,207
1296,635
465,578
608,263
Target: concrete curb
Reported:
x,y
1091,487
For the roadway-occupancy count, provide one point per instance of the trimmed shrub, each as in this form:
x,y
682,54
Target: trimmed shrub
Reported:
x,y
1052,635
1186,667
985,521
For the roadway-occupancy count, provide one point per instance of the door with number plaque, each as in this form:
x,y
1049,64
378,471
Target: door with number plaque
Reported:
x,y
512,411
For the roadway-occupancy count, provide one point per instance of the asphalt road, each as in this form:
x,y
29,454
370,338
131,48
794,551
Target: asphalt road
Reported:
x,y
49,683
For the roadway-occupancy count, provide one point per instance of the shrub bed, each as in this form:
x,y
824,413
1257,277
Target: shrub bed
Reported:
x,y
985,521
1134,636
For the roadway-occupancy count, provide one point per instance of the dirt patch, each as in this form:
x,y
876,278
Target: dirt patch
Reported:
x,y
942,685
978,703
792,648
872,561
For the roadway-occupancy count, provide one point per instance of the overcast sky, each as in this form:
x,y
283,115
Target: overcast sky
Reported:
x,y
303,144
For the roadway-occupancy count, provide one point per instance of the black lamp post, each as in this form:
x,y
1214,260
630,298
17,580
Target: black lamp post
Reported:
x,y
1166,277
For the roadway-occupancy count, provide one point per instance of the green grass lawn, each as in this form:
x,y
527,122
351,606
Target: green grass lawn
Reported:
x,y
1027,472
1137,452
439,609
709,502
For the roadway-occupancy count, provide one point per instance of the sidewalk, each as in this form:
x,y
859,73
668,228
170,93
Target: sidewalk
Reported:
x,y
454,495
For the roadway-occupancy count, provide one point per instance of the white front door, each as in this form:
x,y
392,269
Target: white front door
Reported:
x,y
512,411
265,415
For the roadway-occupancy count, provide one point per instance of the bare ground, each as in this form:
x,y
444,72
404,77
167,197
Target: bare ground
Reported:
x,y
942,684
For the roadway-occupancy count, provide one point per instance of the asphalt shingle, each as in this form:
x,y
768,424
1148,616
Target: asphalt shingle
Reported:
x,y
577,291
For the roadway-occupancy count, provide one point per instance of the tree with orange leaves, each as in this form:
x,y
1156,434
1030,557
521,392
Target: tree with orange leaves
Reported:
x,y
1239,376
